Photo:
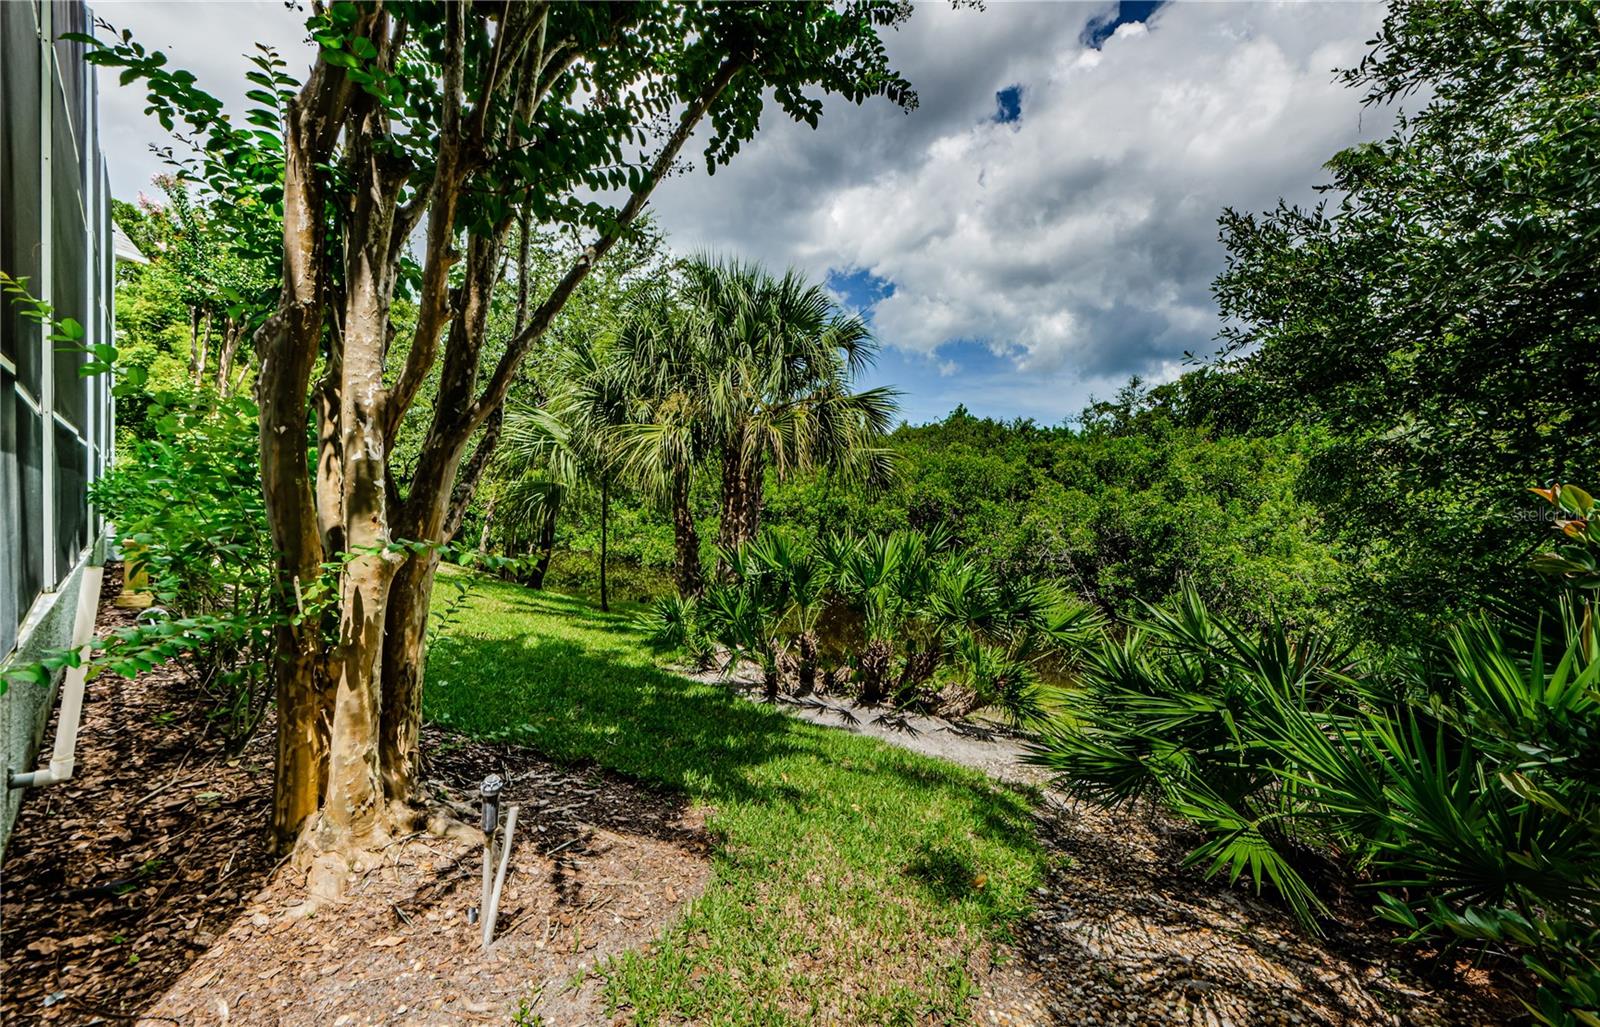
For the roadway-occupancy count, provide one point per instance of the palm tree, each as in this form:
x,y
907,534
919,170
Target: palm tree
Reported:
x,y
745,613
667,430
568,443
751,371
805,579
778,362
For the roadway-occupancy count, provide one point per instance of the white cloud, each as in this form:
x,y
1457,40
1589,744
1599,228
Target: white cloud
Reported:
x,y
1081,240
1078,242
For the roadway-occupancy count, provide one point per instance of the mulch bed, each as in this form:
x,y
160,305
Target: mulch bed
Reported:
x,y
119,878
142,891
1123,933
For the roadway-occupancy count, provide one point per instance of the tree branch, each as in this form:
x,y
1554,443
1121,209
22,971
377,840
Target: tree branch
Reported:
x,y
494,393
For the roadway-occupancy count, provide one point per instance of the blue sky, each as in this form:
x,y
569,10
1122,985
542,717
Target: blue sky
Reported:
x,y
1040,228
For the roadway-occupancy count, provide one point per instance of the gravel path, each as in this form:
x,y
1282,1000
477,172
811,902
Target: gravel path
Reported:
x,y
1124,934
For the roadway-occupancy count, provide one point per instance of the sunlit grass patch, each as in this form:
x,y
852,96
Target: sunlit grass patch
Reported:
x,y
853,881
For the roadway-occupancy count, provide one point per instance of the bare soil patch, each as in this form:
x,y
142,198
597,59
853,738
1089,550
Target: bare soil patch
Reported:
x,y
598,867
142,891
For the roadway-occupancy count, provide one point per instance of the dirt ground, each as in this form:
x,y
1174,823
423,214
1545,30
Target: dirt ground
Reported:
x,y
142,891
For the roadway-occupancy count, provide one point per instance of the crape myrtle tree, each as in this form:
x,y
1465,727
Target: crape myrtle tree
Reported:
x,y
419,137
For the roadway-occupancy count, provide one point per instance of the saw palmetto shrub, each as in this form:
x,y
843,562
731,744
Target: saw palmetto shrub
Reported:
x,y
1462,785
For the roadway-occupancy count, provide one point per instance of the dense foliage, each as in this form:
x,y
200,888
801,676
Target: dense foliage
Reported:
x,y
1434,322
900,617
190,516
1459,784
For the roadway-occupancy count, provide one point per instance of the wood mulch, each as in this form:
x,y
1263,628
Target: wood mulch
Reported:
x,y
143,892
1124,934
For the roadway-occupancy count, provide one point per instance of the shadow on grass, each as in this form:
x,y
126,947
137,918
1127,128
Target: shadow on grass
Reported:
x,y
578,685
576,705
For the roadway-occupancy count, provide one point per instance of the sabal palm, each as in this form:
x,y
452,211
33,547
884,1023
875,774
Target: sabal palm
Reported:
x,y
568,443
667,430
778,358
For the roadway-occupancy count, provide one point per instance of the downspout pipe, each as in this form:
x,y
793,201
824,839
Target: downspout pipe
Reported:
x,y
63,757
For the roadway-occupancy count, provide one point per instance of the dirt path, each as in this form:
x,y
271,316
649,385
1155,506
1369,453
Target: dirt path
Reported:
x,y
1123,933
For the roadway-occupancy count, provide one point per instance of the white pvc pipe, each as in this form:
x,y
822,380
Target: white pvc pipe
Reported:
x,y
492,913
63,757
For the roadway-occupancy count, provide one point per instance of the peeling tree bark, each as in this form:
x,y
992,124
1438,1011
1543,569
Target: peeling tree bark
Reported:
x,y
288,343
457,415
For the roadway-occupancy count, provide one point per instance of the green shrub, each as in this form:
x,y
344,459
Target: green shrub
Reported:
x,y
1462,785
911,622
188,510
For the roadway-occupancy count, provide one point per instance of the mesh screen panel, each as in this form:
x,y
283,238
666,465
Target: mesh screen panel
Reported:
x,y
19,180
72,498
10,528
69,285
30,506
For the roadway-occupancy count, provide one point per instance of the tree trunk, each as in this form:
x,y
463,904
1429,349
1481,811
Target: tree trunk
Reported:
x,y
605,517
547,546
873,665
201,353
686,540
753,483
232,336
741,499
730,514
483,533
426,515
353,812
769,682
288,342
460,409
806,644
194,342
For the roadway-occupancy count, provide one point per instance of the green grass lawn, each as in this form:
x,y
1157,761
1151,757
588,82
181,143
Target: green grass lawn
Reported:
x,y
853,882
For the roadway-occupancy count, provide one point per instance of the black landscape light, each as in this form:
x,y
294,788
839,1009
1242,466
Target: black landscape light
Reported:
x,y
490,792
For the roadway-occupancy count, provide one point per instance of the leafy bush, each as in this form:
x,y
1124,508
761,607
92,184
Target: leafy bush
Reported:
x,y
1463,785
906,620
189,512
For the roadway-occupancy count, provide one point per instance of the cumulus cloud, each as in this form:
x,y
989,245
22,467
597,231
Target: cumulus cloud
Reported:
x,y
1076,239
1041,227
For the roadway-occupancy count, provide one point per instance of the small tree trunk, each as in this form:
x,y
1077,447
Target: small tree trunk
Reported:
x,y
547,546
194,344
806,643
752,483
605,517
483,533
874,666
232,336
203,351
769,681
686,540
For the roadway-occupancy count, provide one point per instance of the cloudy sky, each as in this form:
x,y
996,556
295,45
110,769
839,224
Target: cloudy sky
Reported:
x,y
1040,228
